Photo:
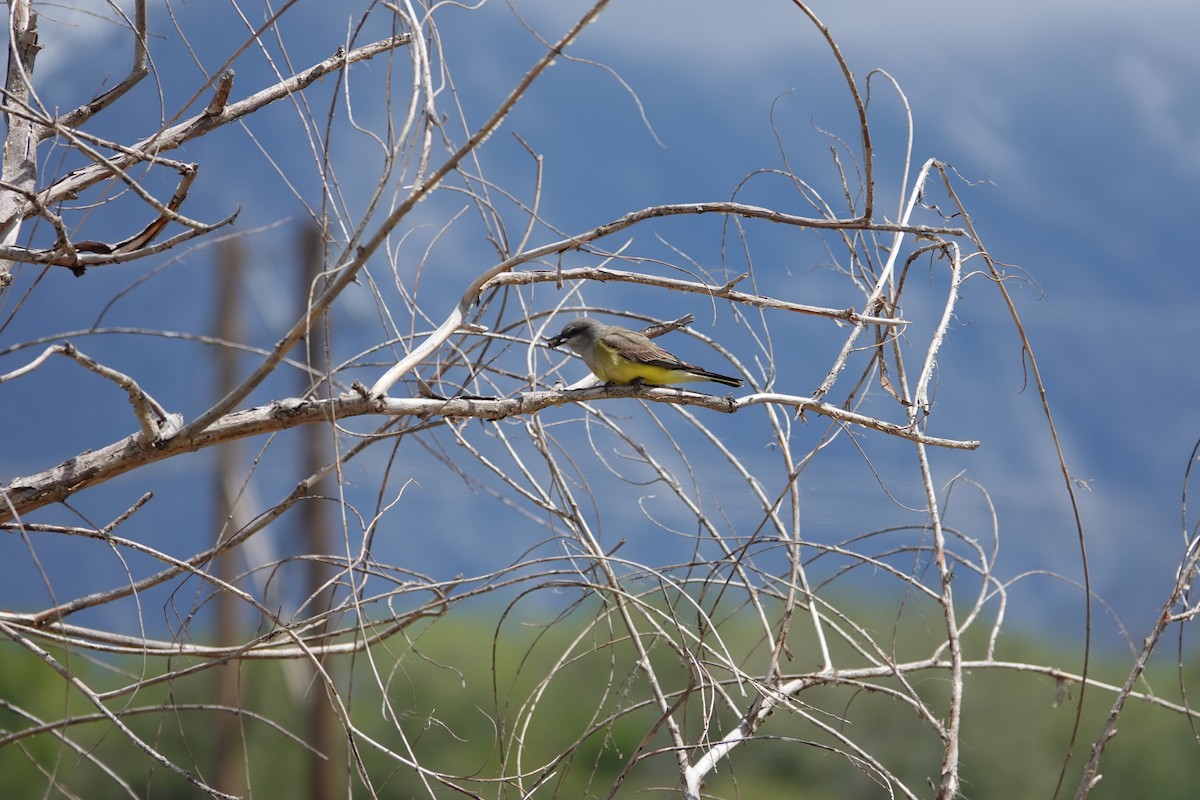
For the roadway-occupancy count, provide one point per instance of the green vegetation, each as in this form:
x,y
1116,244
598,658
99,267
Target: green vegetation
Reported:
x,y
466,720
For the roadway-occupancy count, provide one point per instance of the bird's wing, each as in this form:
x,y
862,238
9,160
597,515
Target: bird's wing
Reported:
x,y
639,348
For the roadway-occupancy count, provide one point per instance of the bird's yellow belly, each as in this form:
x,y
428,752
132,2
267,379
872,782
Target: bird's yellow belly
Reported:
x,y
609,367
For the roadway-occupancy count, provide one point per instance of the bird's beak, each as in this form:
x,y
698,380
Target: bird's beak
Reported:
x,y
555,341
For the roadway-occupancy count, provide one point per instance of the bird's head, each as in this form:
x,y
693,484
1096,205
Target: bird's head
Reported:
x,y
576,334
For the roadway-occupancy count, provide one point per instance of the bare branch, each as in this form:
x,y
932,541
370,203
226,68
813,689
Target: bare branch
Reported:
x,y
139,70
25,494
177,135
19,170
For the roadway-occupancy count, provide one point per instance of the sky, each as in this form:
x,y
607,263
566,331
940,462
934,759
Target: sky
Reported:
x,y
1078,124
1074,126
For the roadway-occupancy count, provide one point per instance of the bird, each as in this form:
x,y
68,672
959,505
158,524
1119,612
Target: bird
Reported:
x,y
620,356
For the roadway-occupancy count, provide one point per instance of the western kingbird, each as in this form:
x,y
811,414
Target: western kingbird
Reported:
x,y
621,356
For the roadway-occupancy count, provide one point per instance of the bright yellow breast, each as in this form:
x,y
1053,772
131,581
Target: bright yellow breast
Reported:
x,y
611,368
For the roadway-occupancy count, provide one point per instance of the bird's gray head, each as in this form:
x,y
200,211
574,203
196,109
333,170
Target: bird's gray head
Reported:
x,y
577,334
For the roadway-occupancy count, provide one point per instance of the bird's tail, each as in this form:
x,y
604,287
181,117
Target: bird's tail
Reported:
x,y
716,377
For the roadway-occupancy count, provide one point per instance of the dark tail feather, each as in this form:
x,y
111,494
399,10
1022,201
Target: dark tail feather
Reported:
x,y
716,377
